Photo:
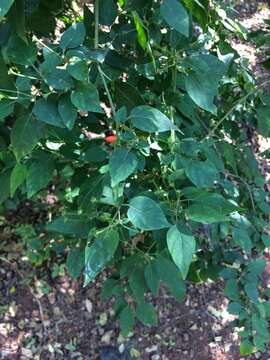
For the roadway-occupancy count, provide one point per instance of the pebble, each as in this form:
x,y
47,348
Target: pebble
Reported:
x,y
103,319
151,349
121,348
155,357
88,305
106,338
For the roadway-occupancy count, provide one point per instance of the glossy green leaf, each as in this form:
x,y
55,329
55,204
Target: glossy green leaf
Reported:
x,y
19,52
127,320
6,107
75,262
5,186
99,254
202,173
86,98
127,95
59,79
241,237
73,36
146,214
176,16
18,175
46,111
141,36
39,175
151,278
199,9
181,245
78,69
149,119
246,348
91,189
146,313
108,12
70,225
203,81
210,208
122,164
25,134
4,7
67,111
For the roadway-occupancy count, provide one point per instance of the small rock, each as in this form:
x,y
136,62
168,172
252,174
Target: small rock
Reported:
x,y
121,348
27,353
103,319
56,311
155,357
88,305
194,327
151,349
106,338
186,337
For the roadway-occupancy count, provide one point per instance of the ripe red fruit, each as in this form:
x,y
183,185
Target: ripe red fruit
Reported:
x,y
111,139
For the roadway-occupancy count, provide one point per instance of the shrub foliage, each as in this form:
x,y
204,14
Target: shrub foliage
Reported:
x,y
173,194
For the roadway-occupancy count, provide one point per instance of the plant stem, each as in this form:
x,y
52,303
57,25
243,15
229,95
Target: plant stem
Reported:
x,y
96,10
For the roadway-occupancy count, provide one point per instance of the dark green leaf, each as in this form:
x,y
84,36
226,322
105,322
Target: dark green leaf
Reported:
x,y
39,175
122,164
25,134
151,278
99,254
174,13
73,36
19,52
6,107
85,97
5,186
78,69
241,237
181,245
146,214
149,119
127,95
146,313
59,79
75,262
201,173
126,318
71,225
4,7
108,12
203,81
46,111
67,111
18,175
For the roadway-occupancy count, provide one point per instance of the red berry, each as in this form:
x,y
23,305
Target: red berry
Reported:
x,y
111,139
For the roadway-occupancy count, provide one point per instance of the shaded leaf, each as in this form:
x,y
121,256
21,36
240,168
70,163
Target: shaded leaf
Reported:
x,y
122,164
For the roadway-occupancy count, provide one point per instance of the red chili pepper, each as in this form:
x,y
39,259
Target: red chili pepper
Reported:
x,y
111,139
110,136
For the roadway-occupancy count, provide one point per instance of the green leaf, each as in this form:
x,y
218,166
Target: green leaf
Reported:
x,y
209,208
170,275
146,214
78,69
252,291
127,95
25,134
94,153
16,18
146,314
266,240
39,175
137,283
71,225
5,186
4,7
263,120
18,175
203,81
108,288
202,173
46,111
246,348
141,36
126,318
59,79
108,12
75,262
67,111
232,289
73,36
122,164
241,237
86,98
6,107
149,119
19,52
99,254
176,16
199,9
91,188
182,246
151,278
